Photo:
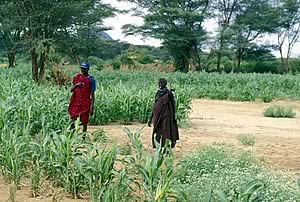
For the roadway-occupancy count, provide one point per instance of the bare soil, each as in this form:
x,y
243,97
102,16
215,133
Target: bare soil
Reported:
x,y
277,139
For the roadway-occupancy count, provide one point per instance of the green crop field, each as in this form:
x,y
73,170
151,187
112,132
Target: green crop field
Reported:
x,y
37,147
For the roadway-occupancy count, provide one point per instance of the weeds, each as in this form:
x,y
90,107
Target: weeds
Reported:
x,y
246,139
232,174
278,111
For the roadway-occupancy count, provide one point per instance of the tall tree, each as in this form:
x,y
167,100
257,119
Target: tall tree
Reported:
x,y
87,37
225,12
44,20
178,23
288,29
254,19
10,31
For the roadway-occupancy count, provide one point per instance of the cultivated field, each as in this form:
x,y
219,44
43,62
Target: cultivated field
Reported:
x,y
225,147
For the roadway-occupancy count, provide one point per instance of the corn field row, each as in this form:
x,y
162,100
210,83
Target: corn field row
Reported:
x,y
237,87
36,144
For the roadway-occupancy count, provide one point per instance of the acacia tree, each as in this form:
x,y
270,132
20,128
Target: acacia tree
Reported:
x,y
288,29
10,31
225,12
254,19
87,37
44,20
178,23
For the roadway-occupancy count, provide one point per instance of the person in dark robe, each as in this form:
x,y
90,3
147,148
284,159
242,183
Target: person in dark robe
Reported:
x,y
163,116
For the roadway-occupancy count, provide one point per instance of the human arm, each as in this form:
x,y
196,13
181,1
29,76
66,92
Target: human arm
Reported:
x,y
92,102
93,89
79,84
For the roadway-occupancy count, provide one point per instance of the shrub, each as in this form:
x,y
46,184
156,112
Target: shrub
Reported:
x,y
278,111
116,64
58,76
246,139
98,62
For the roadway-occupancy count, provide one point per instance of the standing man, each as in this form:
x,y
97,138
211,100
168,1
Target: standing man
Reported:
x,y
83,96
163,116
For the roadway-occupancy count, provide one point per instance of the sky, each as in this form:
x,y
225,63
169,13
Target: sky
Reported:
x,y
119,20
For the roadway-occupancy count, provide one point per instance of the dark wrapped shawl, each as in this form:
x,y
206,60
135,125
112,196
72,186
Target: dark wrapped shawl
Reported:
x,y
164,118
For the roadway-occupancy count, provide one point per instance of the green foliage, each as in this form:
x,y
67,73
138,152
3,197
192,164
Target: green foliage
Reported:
x,y
62,20
127,58
98,136
37,139
246,139
128,96
245,193
278,111
97,63
154,170
116,64
232,173
177,24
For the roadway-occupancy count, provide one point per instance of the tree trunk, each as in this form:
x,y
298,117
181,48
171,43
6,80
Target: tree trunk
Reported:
x,y
219,55
239,55
239,64
34,65
286,64
198,60
199,66
182,64
42,63
11,55
283,68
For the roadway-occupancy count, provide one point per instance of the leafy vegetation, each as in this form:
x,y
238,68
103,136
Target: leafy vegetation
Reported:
x,y
246,139
278,111
217,168
35,140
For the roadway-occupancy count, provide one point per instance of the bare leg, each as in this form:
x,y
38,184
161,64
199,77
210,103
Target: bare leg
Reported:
x,y
72,126
84,130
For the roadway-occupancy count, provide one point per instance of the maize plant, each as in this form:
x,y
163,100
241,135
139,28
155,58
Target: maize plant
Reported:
x,y
122,187
64,148
154,171
97,167
14,155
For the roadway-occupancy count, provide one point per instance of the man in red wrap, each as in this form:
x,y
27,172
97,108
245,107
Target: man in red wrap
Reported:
x,y
83,95
163,116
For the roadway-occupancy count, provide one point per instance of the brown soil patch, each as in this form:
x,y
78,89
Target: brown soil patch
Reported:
x,y
277,140
3,65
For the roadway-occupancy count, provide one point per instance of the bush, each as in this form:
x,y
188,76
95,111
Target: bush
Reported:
x,y
246,139
260,66
116,64
98,62
278,111
58,76
295,65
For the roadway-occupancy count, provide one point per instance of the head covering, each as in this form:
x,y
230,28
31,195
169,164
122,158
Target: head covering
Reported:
x,y
85,65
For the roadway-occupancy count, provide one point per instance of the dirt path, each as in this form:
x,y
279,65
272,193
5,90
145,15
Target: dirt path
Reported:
x,y
277,140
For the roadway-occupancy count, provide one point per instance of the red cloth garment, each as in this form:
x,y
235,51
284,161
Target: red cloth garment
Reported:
x,y
80,101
